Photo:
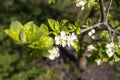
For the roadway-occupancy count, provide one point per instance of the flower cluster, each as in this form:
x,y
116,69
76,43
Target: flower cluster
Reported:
x,y
54,53
90,48
80,3
64,39
90,33
110,49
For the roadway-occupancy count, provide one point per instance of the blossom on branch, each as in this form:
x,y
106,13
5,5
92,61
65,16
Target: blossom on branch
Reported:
x,y
90,48
80,3
54,53
70,39
64,39
61,39
110,49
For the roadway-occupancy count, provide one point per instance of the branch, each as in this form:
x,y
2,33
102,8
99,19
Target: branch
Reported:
x,y
108,9
108,27
91,27
102,10
111,31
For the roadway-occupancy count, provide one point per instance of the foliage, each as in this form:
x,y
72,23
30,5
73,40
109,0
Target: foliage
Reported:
x,y
60,26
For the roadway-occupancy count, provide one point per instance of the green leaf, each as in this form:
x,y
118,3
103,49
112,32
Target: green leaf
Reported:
x,y
63,22
16,26
43,42
72,27
40,52
89,22
13,34
14,30
44,28
51,1
111,62
77,25
54,25
31,31
105,59
76,45
91,3
78,30
85,26
22,36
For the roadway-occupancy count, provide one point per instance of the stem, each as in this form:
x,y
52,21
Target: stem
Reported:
x,y
110,32
108,9
102,10
91,27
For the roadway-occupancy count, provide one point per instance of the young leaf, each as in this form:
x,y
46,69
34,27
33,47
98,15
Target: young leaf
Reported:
x,y
43,42
88,22
13,34
44,28
32,32
77,25
16,26
22,36
54,25
63,22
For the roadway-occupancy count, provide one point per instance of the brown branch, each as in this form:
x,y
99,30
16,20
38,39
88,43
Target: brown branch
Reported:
x,y
108,27
110,32
108,10
102,10
91,27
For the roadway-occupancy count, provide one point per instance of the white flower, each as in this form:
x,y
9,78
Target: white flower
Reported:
x,y
93,37
80,3
91,32
110,52
110,49
61,39
90,48
64,39
110,45
54,53
70,39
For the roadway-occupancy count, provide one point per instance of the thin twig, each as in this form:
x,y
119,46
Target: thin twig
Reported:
x,y
102,10
110,32
91,27
108,9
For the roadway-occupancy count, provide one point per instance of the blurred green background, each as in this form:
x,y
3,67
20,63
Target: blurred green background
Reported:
x,y
14,62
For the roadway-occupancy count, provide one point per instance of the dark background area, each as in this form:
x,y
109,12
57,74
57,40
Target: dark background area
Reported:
x,y
14,62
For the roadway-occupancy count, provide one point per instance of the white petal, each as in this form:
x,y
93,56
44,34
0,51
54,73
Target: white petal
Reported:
x,y
63,44
62,34
57,42
51,57
93,31
82,3
90,33
93,37
82,8
110,52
